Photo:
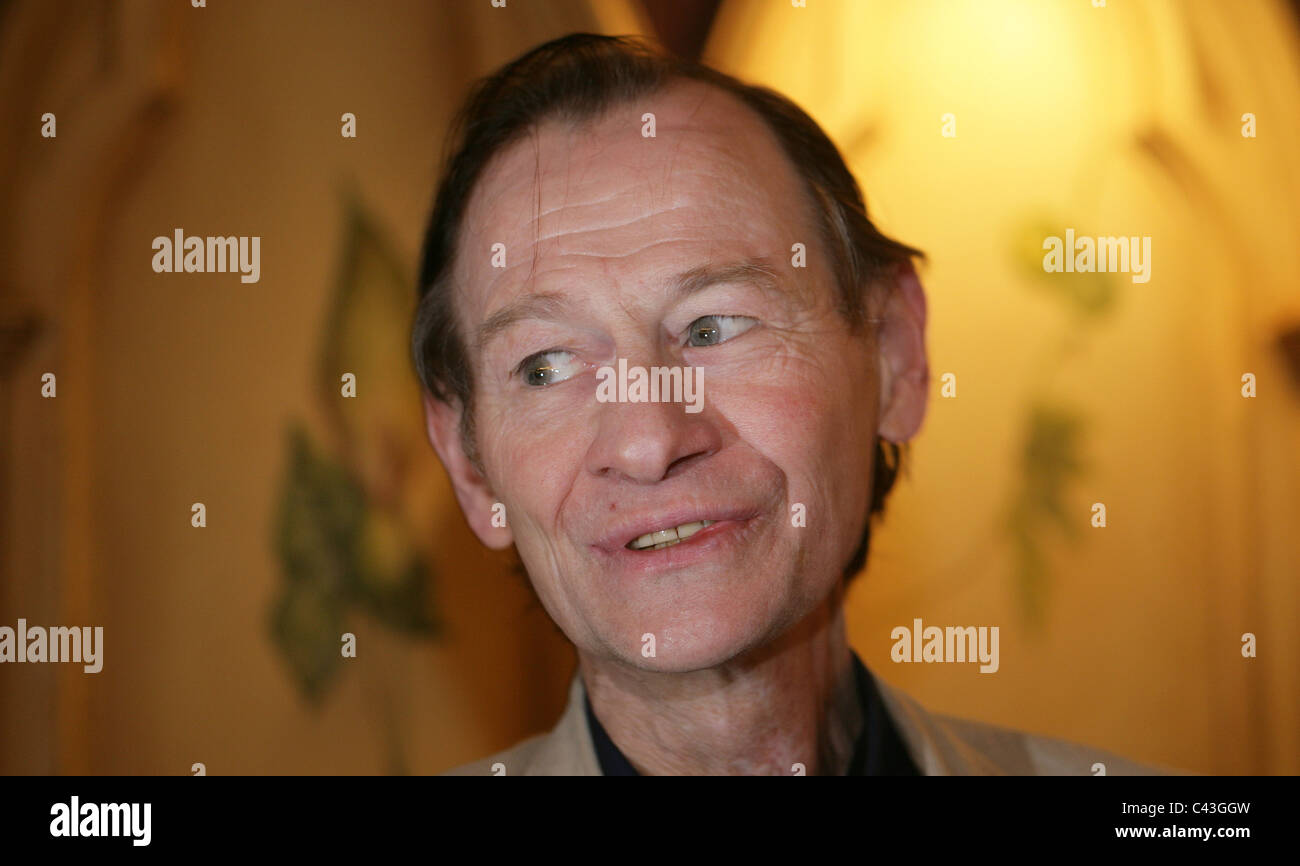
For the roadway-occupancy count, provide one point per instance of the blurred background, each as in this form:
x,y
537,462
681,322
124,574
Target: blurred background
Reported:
x,y
327,515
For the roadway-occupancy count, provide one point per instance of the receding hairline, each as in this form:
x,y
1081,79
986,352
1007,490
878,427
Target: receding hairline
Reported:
x,y
570,122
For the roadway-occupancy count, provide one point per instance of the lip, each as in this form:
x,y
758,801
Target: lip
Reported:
x,y
716,544
629,528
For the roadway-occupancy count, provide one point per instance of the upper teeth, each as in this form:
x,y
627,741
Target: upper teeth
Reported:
x,y
665,537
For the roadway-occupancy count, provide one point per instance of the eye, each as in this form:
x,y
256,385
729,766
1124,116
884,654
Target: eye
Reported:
x,y
711,330
547,368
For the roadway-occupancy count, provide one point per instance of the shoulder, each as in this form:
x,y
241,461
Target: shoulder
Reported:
x,y
946,745
566,750
519,758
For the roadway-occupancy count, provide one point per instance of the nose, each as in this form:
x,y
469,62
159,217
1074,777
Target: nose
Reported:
x,y
647,442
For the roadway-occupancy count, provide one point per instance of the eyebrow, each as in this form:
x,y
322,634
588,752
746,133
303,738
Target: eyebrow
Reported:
x,y
552,306
752,270
535,305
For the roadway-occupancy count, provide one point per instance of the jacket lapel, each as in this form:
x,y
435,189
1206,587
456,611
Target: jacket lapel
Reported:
x,y
568,749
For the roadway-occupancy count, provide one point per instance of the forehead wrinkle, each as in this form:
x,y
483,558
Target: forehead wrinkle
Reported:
x,y
568,205
565,213
560,215
571,212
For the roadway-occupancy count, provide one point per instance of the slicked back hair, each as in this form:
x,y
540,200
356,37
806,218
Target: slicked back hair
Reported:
x,y
578,78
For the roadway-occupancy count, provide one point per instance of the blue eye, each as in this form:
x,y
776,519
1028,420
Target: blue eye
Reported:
x,y
712,330
547,368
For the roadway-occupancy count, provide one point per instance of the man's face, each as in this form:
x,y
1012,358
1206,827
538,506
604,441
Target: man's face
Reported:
x,y
600,225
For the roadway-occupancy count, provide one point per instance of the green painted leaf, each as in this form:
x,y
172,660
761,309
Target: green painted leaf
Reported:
x,y
321,513
1049,463
368,335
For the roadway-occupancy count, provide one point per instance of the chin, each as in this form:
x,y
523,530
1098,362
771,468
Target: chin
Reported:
x,y
692,637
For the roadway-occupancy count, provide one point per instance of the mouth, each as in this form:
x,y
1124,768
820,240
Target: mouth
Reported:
x,y
696,533
661,538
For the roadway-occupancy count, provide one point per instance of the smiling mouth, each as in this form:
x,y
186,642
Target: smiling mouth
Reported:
x,y
662,538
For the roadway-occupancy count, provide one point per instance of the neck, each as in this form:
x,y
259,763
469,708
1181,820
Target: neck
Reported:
x,y
793,701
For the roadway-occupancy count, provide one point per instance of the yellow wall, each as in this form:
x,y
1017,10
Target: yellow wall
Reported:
x,y
172,391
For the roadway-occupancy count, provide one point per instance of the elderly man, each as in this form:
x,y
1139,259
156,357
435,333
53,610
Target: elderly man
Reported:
x,y
606,208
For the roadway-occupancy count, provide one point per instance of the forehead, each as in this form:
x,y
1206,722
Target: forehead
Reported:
x,y
603,197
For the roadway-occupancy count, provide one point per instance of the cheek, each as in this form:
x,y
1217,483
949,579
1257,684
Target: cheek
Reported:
x,y
531,459
812,413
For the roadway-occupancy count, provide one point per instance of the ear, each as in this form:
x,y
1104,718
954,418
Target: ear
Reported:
x,y
904,368
472,491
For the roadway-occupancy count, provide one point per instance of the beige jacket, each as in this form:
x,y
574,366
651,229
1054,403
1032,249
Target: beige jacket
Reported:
x,y
940,746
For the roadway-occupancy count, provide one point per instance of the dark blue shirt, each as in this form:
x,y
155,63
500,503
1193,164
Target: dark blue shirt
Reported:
x,y
879,751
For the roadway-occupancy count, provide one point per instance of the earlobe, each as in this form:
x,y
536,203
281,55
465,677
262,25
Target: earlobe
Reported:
x,y
477,501
904,367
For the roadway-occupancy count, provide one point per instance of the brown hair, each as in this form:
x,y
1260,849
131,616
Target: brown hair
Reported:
x,y
577,78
